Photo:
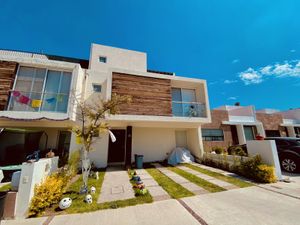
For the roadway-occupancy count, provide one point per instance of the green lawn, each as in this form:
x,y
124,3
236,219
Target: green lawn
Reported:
x,y
79,206
232,180
5,187
174,190
196,180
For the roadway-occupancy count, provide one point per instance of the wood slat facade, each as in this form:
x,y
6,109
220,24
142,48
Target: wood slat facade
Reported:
x,y
150,96
7,78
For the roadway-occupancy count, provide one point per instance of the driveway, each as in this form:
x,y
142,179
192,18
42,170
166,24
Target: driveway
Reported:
x,y
253,205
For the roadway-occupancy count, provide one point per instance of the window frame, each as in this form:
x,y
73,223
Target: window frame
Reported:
x,y
102,57
47,68
95,84
213,138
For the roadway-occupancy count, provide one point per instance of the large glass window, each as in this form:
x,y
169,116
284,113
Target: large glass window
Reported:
x,y
184,103
249,133
212,135
39,89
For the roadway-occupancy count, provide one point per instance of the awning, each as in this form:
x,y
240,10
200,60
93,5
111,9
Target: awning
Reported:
x,y
244,123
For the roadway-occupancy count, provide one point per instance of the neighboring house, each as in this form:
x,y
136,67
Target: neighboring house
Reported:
x,y
38,108
231,125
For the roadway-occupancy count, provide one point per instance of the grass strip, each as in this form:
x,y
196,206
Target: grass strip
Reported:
x,y
196,180
232,180
171,187
79,206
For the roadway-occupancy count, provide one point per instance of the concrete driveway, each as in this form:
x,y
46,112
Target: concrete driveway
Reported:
x,y
253,205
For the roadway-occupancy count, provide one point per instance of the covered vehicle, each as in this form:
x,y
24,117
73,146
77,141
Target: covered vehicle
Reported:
x,y
180,155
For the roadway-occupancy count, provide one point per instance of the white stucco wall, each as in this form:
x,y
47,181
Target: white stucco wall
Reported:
x,y
194,141
268,151
99,152
117,58
153,143
32,174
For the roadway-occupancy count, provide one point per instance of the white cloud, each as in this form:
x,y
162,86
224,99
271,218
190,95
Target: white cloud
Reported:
x,y
235,61
232,98
277,70
250,76
230,81
292,50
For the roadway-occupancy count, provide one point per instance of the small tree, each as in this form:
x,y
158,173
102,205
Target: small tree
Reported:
x,y
91,117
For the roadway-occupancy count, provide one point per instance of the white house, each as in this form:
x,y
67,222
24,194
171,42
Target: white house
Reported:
x,y
37,107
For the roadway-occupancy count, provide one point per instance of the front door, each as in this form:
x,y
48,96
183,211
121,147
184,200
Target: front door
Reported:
x,y
116,150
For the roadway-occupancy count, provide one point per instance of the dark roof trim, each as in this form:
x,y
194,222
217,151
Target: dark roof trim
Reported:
x,y
160,72
84,63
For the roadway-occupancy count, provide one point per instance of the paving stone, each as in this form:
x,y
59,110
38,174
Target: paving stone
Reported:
x,y
181,180
210,179
116,186
156,191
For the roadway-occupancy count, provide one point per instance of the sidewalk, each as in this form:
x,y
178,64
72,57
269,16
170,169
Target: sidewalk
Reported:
x,y
243,206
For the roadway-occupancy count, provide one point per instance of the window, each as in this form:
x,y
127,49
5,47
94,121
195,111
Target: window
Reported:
x,y
250,133
97,87
272,133
102,59
297,131
184,103
212,135
43,90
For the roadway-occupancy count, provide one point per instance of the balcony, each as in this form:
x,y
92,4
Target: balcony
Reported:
x,y
38,102
188,109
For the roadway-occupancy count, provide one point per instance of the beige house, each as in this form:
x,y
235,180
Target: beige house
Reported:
x,y
166,111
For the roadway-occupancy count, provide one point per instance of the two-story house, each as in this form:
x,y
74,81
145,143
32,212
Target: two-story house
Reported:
x,y
37,106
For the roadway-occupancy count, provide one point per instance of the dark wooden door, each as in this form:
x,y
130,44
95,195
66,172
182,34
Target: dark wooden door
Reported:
x,y
235,139
116,150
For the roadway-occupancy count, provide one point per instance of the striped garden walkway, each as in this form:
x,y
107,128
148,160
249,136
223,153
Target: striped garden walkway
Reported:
x,y
210,179
156,191
181,180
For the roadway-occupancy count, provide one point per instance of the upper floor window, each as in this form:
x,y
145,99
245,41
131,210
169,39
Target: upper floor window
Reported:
x,y
97,88
184,103
40,89
212,135
102,59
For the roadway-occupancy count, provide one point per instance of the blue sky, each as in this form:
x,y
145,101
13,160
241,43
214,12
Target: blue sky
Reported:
x,y
248,51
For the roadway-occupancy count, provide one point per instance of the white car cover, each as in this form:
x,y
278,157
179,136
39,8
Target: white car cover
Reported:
x,y
180,155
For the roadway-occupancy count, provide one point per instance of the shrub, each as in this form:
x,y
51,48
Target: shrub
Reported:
x,y
254,169
47,193
266,174
236,150
218,150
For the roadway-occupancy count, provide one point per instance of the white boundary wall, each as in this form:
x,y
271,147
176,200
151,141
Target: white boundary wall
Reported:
x,y
32,174
268,151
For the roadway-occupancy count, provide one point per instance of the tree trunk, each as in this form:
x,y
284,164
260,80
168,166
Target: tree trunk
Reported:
x,y
85,167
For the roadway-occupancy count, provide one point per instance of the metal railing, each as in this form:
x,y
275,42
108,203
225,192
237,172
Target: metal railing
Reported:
x,y
188,109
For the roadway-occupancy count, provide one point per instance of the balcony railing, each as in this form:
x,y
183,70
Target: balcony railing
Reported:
x,y
188,109
38,101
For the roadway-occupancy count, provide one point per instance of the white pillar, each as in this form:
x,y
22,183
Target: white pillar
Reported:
x,y
241,134
291,131
260,130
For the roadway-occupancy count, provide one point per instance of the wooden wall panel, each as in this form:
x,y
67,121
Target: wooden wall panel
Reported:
x,y
7,77
150,96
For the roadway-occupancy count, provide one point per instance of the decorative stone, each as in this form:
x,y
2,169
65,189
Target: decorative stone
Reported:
x,y
93,190
65,203
88,199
